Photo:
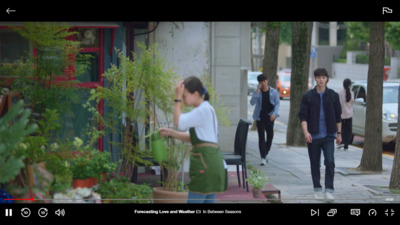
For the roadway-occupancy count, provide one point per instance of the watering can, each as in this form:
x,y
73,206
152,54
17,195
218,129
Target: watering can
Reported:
x,y
157,147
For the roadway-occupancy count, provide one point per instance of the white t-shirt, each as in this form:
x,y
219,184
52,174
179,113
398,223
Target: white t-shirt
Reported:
x,y
347,107
203,119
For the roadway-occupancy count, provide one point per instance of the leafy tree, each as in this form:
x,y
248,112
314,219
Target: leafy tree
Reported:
x,y
392,34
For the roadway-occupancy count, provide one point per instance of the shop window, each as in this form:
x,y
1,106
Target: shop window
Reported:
x,y
75,120
13,51
88,64
12,46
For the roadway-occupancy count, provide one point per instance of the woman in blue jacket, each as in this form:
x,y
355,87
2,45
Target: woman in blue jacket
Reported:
x,y
265,112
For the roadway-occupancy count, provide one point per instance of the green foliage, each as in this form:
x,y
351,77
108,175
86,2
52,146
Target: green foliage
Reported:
x,y
285,30
11,137
120,190
37,145
143,80
176,154
35,74
358,31
88,162
358,34
81,166
60,167
392,34
101,162
257,179
134,91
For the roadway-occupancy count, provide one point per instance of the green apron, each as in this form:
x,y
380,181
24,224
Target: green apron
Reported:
x,y
207,172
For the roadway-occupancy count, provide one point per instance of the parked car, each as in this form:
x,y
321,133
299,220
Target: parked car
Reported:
x,y
389,109
252,81
283,83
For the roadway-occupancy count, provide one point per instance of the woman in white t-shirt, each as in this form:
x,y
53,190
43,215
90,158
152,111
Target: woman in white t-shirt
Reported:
x,y
207,171
346,97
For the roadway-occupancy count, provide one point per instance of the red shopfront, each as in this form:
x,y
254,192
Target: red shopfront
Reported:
x,y
96,40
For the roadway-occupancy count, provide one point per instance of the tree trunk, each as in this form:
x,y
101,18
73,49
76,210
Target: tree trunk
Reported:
x,y
270,62
301,45
371,159
395,176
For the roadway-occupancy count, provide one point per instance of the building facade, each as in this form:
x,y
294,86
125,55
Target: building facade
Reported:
x,y
218,51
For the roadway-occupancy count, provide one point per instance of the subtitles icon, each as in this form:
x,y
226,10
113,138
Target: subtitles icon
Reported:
x,y
355,212
386,10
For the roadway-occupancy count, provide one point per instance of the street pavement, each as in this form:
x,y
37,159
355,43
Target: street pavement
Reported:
x,y
289,170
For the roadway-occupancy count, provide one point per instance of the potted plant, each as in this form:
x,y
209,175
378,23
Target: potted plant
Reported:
x,y
101,163
81,171
257,180
136,90
173,188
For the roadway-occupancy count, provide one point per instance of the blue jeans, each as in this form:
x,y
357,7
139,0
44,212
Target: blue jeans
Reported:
x,y
201,198
314,152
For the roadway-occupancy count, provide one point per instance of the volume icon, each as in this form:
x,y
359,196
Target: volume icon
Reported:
x,y
60,212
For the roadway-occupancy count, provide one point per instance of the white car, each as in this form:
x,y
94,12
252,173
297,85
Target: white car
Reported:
x,y
389,109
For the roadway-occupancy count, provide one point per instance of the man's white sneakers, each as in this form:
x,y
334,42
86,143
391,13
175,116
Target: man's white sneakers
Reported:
x,y
319,195
329,196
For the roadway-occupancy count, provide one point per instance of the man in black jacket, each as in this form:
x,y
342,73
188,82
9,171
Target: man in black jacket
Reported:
x,y
320,117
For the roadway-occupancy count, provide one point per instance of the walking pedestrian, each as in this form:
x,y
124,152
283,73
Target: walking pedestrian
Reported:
x,y
207,170
320,117
346,101
265,112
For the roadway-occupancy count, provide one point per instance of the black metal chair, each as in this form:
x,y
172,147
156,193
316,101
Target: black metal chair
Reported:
x,y
238,157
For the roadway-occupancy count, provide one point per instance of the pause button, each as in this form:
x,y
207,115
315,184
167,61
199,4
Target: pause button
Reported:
x,y
8,212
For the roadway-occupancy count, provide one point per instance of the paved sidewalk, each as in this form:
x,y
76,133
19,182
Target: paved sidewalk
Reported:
x,y
289,170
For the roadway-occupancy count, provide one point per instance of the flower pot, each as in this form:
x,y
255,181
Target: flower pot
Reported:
x,y
92,181
162,196
256,192
82,183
